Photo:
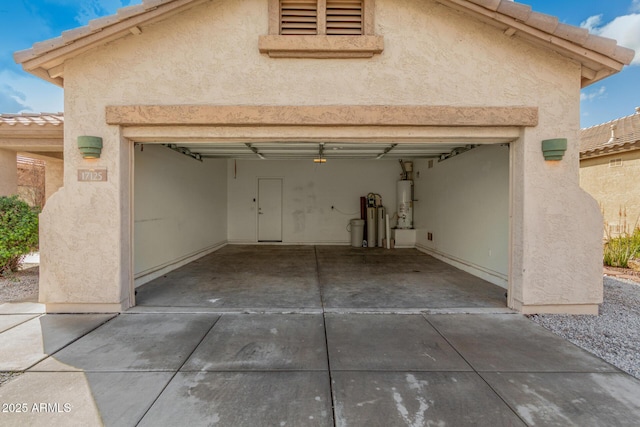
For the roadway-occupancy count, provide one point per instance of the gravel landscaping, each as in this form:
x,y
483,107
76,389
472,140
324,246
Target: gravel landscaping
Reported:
x,y
614,335
20,286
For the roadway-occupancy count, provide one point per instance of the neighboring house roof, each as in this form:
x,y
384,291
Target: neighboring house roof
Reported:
x,y
612,137
599,56
33,133
27,119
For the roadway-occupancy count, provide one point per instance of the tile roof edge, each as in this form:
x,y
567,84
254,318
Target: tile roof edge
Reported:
x,y
518,11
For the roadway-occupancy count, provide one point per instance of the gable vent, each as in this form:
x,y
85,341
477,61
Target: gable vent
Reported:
x,y
344,17
298,17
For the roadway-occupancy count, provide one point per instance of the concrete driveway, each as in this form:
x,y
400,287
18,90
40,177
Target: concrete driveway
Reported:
x,y
181,365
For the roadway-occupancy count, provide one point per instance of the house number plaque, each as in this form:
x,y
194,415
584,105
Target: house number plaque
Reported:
x,y
92,175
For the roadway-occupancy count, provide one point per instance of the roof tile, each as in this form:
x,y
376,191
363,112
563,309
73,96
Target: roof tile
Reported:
x,y
27,119
603,45
48,45
100,23
626,130
541,21
489,4
129,11
576,35
521,12
150,4
70,35
624,55
515,10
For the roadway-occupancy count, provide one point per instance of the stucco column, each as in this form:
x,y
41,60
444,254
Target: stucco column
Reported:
x,y
53,176
85,228
8,173
556,230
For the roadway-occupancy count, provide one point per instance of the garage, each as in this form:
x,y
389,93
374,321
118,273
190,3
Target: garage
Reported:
x,y
204,208
258,93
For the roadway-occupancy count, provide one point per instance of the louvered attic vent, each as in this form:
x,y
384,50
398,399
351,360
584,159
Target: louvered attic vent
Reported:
x,y
311,17
321,29
298,17
344,18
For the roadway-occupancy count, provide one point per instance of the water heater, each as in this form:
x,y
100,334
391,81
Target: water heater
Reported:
x,y
381,226
372,227
405,204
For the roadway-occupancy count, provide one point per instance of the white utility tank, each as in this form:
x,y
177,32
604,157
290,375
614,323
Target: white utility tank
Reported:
x,y
405,204
372,227
381,229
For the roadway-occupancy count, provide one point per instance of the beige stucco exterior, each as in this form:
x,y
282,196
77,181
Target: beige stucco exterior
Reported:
x,y
433,56
8,173
614,181
37,136
54,172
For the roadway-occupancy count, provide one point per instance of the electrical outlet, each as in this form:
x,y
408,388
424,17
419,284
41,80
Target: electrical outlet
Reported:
x,y
429,236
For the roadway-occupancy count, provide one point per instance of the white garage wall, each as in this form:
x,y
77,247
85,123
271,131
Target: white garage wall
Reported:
x,y
180,210
464,202
309,191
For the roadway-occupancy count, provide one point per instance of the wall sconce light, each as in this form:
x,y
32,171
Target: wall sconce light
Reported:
x,y
553,149
90,146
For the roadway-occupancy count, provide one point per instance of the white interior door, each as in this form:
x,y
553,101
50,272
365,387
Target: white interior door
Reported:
x,y
270,210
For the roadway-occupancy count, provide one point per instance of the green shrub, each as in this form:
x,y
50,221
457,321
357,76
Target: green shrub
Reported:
x,y
18,232
619,250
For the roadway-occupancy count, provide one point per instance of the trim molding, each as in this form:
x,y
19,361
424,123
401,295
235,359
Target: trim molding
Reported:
x,y
157,271
320,115
483,273
321,46
591,309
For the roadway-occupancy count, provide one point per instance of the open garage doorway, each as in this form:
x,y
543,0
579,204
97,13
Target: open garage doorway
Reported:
x,y
198,226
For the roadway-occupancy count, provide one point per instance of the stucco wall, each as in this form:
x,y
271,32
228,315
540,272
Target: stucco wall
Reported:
x,y
433,56
180,208
8,173
616,188
309,192
464,202
53,177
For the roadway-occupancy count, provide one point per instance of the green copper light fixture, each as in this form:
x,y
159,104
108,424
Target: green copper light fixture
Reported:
x,y
90,146
553,149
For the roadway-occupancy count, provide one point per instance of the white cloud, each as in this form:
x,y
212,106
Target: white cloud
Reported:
x,y
625,29
596,94
11,100
30,93
592,22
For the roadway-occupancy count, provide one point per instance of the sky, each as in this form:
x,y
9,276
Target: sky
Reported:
x,y
24,22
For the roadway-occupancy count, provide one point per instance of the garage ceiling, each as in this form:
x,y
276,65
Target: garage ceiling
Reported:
x,y
314,150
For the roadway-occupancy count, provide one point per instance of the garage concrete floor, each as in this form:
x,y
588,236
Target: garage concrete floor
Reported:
x,y
335,278
177,365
